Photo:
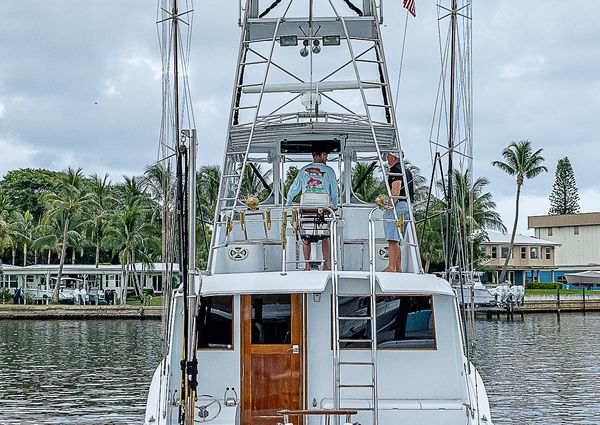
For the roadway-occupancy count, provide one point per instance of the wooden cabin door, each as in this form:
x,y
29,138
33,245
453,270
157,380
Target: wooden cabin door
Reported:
x,y
272,352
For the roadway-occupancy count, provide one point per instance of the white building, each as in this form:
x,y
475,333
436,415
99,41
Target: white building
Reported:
x,y
578,234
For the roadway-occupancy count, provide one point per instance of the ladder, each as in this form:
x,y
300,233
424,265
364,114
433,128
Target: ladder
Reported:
x,y
388,107
237,158
346,368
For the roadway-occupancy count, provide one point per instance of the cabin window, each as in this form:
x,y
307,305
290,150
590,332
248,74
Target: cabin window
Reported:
x,y
576,230
215,323
494,252
271,319
548,253
403,322
523,252
504,252
533,253
549,231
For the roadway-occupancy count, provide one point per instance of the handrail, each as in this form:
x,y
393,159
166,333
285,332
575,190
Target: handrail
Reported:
x,y
283,219
348,413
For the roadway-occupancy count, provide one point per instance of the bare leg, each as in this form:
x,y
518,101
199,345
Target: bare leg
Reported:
x,y
393,257
326,246
306,249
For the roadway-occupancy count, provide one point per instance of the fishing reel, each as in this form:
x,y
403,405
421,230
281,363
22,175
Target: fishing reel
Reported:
x,y
384,202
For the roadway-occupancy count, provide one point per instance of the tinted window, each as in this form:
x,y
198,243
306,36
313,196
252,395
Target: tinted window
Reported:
x,y
402,322
215,322
271,319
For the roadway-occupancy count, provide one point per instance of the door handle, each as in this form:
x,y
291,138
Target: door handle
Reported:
x,y
295,349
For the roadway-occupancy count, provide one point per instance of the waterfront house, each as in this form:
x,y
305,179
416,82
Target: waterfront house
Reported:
x,y
80,276
532,259
579,239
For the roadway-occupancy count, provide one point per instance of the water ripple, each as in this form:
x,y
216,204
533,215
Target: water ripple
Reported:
x,y
537,371
86,372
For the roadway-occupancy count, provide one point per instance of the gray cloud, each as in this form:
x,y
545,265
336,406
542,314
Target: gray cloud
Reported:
x,y
80,86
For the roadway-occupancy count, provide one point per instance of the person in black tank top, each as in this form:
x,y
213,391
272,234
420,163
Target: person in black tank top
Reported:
x,y
397,182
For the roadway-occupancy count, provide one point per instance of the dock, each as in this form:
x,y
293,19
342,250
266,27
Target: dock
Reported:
x,y
79,312
545,304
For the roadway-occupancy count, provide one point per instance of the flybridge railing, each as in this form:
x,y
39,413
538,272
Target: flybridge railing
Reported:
x,y
278,215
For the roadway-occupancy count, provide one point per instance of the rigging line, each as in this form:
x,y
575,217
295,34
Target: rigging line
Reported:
x,y
401,62
353,7
268,9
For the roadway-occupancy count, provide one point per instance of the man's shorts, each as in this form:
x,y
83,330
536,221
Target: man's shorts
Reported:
x,y
390,230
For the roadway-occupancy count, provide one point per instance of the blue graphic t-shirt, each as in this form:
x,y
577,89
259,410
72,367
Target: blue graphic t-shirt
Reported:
x,y
315,178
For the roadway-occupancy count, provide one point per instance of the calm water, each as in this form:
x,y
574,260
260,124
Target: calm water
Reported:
x,y
539,371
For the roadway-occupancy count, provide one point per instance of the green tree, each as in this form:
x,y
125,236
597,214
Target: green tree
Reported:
x,y
97,212
564,198
66,204
521,161
365,185
23,227
25,186
6,211
133,234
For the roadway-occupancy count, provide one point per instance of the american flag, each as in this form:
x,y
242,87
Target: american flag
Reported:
x,y
410,5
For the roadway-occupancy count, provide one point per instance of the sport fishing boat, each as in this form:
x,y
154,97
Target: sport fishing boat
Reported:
x,y
256,339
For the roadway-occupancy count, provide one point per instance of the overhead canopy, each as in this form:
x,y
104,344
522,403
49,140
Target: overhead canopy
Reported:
x,y
584,278
301,282
297,282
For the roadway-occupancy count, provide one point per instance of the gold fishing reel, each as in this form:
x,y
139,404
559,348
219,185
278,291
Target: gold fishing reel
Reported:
x,y
252,202
383,202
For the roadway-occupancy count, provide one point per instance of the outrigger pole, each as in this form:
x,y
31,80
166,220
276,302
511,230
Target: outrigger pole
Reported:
x,y
185,209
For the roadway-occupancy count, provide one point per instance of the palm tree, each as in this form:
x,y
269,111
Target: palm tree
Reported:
x,y
475,212
23,227
6,210
98,210
365,185
67,204
520,161
133,233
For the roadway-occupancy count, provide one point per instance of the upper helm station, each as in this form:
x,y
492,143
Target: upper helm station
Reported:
x,y
311,75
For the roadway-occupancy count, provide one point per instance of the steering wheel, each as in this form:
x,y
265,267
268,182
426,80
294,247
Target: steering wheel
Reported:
x,y
208,412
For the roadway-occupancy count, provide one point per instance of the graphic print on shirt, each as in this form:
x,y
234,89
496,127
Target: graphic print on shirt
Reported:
x,y
314,182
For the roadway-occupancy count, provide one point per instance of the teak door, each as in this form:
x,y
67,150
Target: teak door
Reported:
x,y
272,352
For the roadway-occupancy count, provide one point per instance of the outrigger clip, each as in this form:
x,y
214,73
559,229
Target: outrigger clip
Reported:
x,y
283,229
268,218
228,226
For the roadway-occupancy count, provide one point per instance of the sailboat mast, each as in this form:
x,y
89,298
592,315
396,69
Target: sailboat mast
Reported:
x,y
450,189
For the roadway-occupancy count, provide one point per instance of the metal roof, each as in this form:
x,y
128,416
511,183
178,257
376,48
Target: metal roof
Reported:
x,y
497,238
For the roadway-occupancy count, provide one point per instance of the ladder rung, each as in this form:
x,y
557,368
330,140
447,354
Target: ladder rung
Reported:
x,y
253,63
355,317
249,85
377,105
236,153
246,107
227,176
362,408
227,199
368,61
355,363
355,340
373,83
356,386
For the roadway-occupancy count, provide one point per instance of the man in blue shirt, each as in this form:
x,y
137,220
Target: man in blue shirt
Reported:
x,y
316,177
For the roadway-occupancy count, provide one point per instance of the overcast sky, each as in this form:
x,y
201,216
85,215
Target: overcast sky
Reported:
x,y
80,86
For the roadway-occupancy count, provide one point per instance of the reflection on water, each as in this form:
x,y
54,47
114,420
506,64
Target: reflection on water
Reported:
x,y
76,372
537,371
541,370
